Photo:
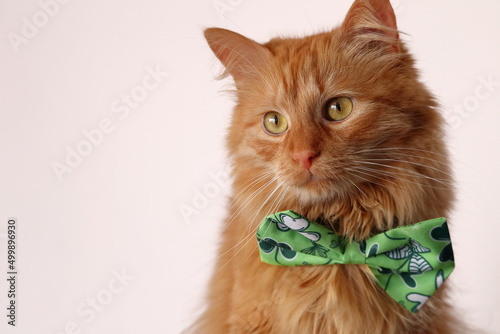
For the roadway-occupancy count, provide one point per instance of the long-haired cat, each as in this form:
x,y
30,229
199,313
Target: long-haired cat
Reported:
x,y
337,127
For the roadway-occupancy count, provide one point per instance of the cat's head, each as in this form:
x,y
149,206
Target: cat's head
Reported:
x,y
333,114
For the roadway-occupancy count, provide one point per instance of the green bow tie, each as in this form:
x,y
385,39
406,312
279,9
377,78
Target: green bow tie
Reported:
x,y
409,262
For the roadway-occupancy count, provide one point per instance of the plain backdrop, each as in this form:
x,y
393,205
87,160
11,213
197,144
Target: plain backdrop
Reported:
x,y
103,246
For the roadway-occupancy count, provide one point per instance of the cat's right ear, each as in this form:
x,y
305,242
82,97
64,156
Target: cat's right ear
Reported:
x,y
373,16
239,55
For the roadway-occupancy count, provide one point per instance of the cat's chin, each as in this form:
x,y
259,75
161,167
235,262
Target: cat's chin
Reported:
x,y
315,189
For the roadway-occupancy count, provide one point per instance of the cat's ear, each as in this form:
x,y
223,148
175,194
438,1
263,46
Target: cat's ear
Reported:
x,y
373,16
240,56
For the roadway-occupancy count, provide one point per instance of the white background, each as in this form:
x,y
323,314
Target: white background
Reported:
x,y
119,209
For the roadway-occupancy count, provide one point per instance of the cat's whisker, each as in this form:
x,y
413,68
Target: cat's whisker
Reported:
x,y
403,154
243,242
392,174
253,230
408,172
252,181
354,184
379,175
272,209
356,171
391,149
242,206
402,180
409,162
264,203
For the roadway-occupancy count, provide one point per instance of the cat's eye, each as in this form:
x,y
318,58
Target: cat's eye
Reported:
x,y
275,123
338,108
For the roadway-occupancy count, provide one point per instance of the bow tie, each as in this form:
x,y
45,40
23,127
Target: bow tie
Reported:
x,y
409,262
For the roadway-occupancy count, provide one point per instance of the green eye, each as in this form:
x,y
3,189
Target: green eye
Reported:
x,y
275,123
338,108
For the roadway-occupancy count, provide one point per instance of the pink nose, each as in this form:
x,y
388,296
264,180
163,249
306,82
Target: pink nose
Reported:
x,y
305,158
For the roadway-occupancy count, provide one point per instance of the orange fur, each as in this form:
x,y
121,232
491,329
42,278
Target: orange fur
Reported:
x,y
385,165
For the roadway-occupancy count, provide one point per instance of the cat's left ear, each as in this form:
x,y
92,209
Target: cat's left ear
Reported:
x,y
373,16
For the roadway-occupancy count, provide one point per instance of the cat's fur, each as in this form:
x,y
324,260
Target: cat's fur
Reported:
x,y
385,165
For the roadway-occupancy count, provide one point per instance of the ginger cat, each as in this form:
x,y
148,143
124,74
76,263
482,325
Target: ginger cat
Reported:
x,y
337,127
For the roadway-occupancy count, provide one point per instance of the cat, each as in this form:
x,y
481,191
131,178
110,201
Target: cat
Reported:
x,y
337,127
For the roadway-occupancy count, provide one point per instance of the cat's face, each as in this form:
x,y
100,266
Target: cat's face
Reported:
x,y
325,115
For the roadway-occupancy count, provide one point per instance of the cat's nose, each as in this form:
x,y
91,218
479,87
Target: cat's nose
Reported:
x,y
305,158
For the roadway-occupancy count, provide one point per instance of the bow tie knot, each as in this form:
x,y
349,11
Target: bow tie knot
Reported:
x,y
409,262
